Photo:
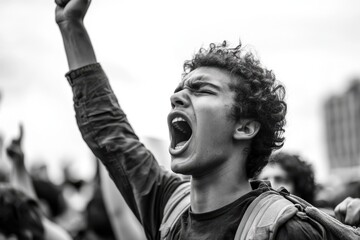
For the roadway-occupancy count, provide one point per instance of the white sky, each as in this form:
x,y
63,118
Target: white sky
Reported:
x,y
312,46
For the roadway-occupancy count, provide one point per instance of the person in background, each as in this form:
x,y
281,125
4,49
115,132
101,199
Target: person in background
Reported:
x,y
97,223
123,221
51,197
107,217
20,215
4,174
26,202
291,172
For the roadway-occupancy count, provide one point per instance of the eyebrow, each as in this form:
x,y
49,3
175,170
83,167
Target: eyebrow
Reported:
x,y
198,82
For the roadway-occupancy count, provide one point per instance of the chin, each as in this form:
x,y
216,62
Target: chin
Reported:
x,y
178,166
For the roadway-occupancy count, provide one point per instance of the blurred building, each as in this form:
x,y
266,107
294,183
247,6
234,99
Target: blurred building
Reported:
x,y
342,120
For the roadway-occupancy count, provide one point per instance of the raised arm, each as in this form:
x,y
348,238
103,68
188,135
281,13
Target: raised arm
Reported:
x,y
69,16
20,179
144,185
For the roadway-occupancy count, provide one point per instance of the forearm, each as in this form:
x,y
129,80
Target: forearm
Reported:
x,y
21,179
77,43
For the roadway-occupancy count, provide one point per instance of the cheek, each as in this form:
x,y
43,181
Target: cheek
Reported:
x,y
215,131
213,122
213,115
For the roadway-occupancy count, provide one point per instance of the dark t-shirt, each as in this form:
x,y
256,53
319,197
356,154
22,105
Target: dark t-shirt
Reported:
x,y
223,223
218,224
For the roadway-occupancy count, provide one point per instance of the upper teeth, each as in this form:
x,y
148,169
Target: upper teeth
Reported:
x,y
178,119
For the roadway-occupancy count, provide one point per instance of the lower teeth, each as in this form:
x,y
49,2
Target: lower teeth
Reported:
x,y
180,145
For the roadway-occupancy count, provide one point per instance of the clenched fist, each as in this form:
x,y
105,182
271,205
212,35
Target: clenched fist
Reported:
x,y
348,211
71,10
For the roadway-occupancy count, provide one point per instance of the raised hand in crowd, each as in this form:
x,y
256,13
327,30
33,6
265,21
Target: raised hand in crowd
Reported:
x,y
19,177
348,211
21,182
14,150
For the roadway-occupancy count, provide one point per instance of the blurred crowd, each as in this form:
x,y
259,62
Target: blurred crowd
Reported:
x,y
31,204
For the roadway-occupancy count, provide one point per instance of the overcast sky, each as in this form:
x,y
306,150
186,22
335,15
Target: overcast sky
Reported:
x,y
313,47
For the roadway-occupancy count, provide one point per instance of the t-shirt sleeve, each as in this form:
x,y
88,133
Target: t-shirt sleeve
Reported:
x,y
300,229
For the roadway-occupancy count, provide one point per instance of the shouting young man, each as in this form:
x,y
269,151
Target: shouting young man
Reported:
x,y
227,116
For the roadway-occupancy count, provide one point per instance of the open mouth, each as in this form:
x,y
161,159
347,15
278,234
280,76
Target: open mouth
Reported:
x,y
180,132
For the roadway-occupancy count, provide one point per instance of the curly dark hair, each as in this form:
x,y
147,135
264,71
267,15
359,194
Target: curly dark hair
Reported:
x,y
299,172
257,96
19,213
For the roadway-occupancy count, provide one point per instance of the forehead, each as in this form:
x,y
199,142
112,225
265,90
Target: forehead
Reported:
x,y
216,76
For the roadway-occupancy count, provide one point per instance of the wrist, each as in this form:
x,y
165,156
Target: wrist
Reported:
x,y
77,43
70,25
19,165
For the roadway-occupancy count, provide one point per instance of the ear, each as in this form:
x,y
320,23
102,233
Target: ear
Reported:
x,y
246,129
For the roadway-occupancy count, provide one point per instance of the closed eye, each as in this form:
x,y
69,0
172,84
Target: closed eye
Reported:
x,y
204,91
200,87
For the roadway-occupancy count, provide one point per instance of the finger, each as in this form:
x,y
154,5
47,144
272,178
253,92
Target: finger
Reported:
x,y
340,210
352,219
18,140
21,133
61,3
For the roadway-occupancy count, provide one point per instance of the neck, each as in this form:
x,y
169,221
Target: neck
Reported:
x,y
218,188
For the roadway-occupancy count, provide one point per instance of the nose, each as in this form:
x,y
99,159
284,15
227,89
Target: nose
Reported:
x,y
179,99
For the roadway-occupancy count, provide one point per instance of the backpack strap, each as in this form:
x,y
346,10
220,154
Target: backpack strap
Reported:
x,y
264,216
174,208
334,228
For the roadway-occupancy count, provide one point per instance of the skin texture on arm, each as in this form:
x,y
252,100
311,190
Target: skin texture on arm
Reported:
x,y
69,16
348,211
123,221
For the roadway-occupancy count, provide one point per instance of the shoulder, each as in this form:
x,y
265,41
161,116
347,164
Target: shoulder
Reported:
x,y
300,228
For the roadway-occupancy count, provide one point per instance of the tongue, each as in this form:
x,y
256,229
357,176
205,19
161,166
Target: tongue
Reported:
x,y
180,144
